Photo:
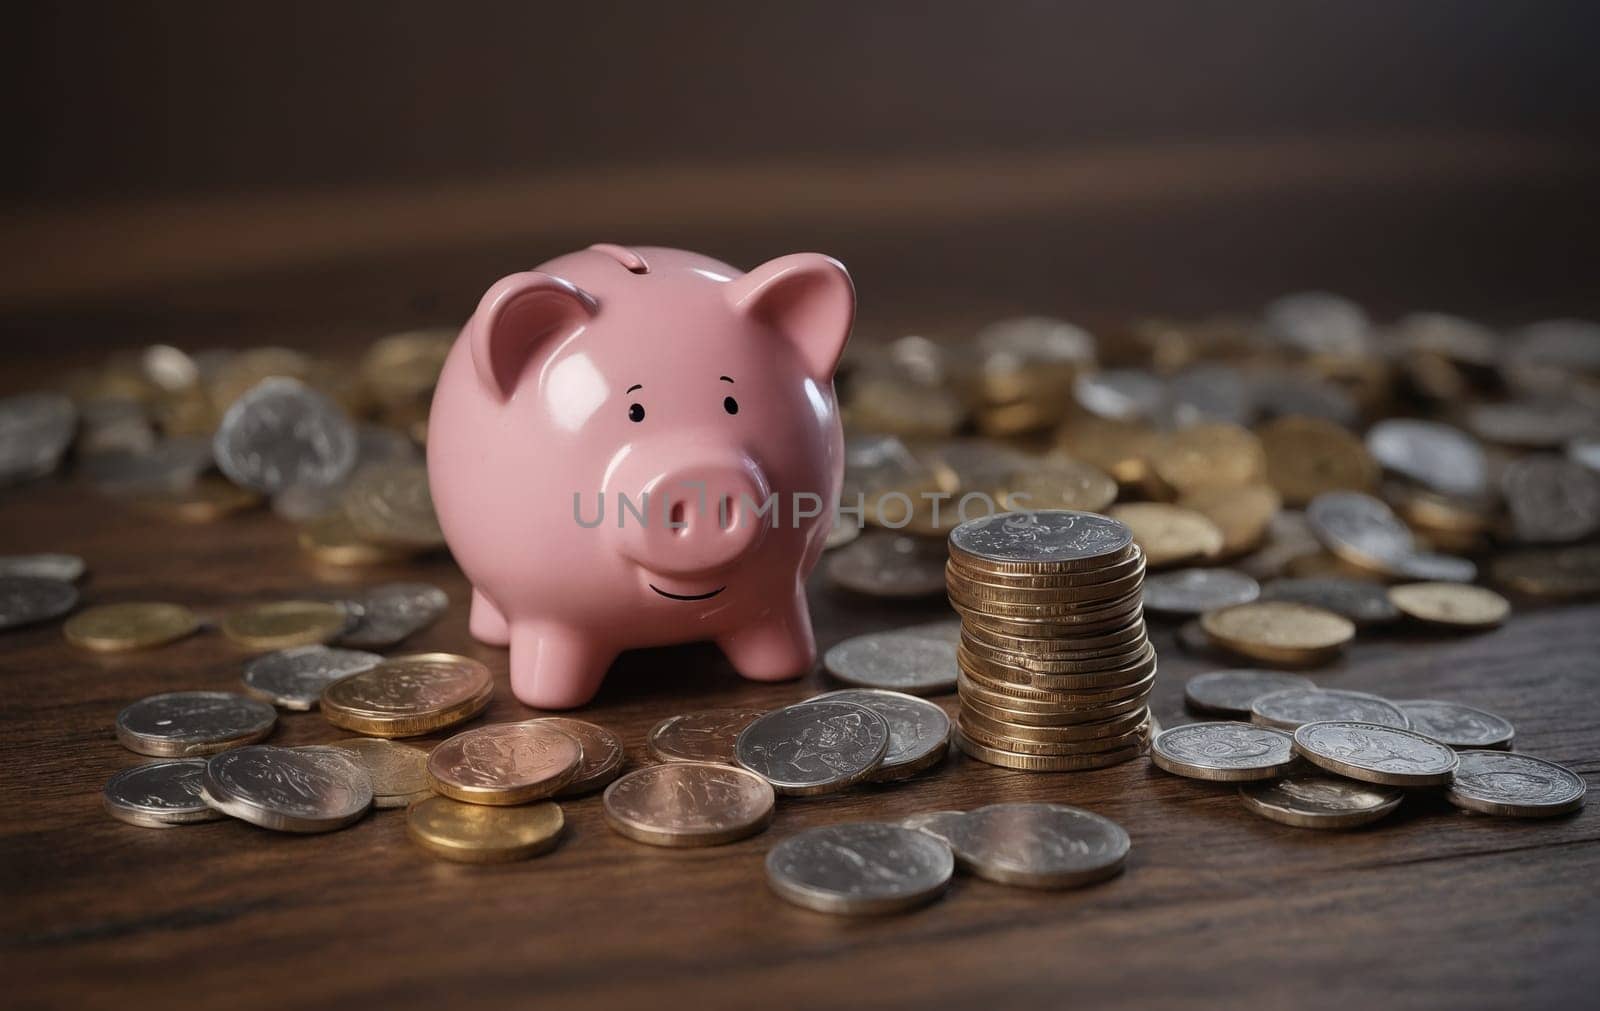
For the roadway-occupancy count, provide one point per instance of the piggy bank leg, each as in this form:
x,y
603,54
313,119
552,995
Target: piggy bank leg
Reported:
x,y
778,648
486,623
556,667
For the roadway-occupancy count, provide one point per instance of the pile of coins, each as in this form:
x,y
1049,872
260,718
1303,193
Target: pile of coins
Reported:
x,y
1055,667
1332,759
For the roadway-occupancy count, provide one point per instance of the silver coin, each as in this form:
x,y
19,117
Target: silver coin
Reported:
x,y
294,678
1552,500
1280,392
919,731
283,433
1038,845
1045,536
286,789
1196,591
1450,337
1209,392
918,664
1552,355
1120,394
1223,752
814,747
1293,707
1585,449
1534,423
1314,800
860,868
169,368
114,425
1319,323
26,600
1350,523
883,564
1037,339
948,631
63,568
1231,692
1375,754
393,612
1431,453
940,823
1362,601
159,794
35,430
174,464
1457,725
193,723
1515,786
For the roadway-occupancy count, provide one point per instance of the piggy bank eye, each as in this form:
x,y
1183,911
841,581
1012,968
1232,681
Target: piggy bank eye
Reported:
x,y
636,413
730,405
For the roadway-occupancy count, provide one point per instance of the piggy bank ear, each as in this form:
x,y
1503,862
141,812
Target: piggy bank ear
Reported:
x,y
517,316
808,297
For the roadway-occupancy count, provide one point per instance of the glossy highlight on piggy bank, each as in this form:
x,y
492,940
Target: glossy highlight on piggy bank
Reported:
x,y
636,446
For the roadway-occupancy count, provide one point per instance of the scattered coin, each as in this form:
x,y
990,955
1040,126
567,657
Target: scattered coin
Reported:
x,y
1317,801
1293,707
1366,532
1195,591
1319,323
1059,483
814,747
284,433
1120,394
1551,499
1457,725
393,612
1306,457
1208,455
1364,602
1432,454
898,661
159,794
406,696
1515,786
1456,605
1559,573
504,763
919,731
295,678
882,564
117,628
1169,534
332,540
398,772
1375,754
705,736
1036,845
689,804
603,754
390,504
175,463
1244,514
1231,692
1279,631
475,834
35,430
287,790
282,624
27,600
62,568
860,868
1223,752
193,723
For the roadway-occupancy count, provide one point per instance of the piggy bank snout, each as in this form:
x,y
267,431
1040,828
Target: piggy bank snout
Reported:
x,y
697,518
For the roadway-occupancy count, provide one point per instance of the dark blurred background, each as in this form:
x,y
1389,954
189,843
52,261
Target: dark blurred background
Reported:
x,y
205,172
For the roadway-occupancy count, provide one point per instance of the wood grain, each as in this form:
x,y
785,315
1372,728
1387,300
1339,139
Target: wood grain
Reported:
x,y
1434,907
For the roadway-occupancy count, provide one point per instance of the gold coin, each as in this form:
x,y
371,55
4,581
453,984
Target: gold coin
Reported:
x,y
603,754
1013,695
996,721
972,702
117,628
1063,612
689,804
390,504
1208,455
1308,456
1120,448
206,501
403,368
1046,646
705,736
1025,740
1458,605
1325,563
332,538
1169,534
282,624
407,696
398,772
1130,563
1278,631
1558,573
1008,759
1244,514
1059,482
474,834
1436,513
504,763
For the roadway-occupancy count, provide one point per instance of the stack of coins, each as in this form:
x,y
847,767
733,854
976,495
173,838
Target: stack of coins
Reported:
x,y
1055,668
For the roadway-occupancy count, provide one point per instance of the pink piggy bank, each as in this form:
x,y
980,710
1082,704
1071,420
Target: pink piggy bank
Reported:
x,y
636,447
